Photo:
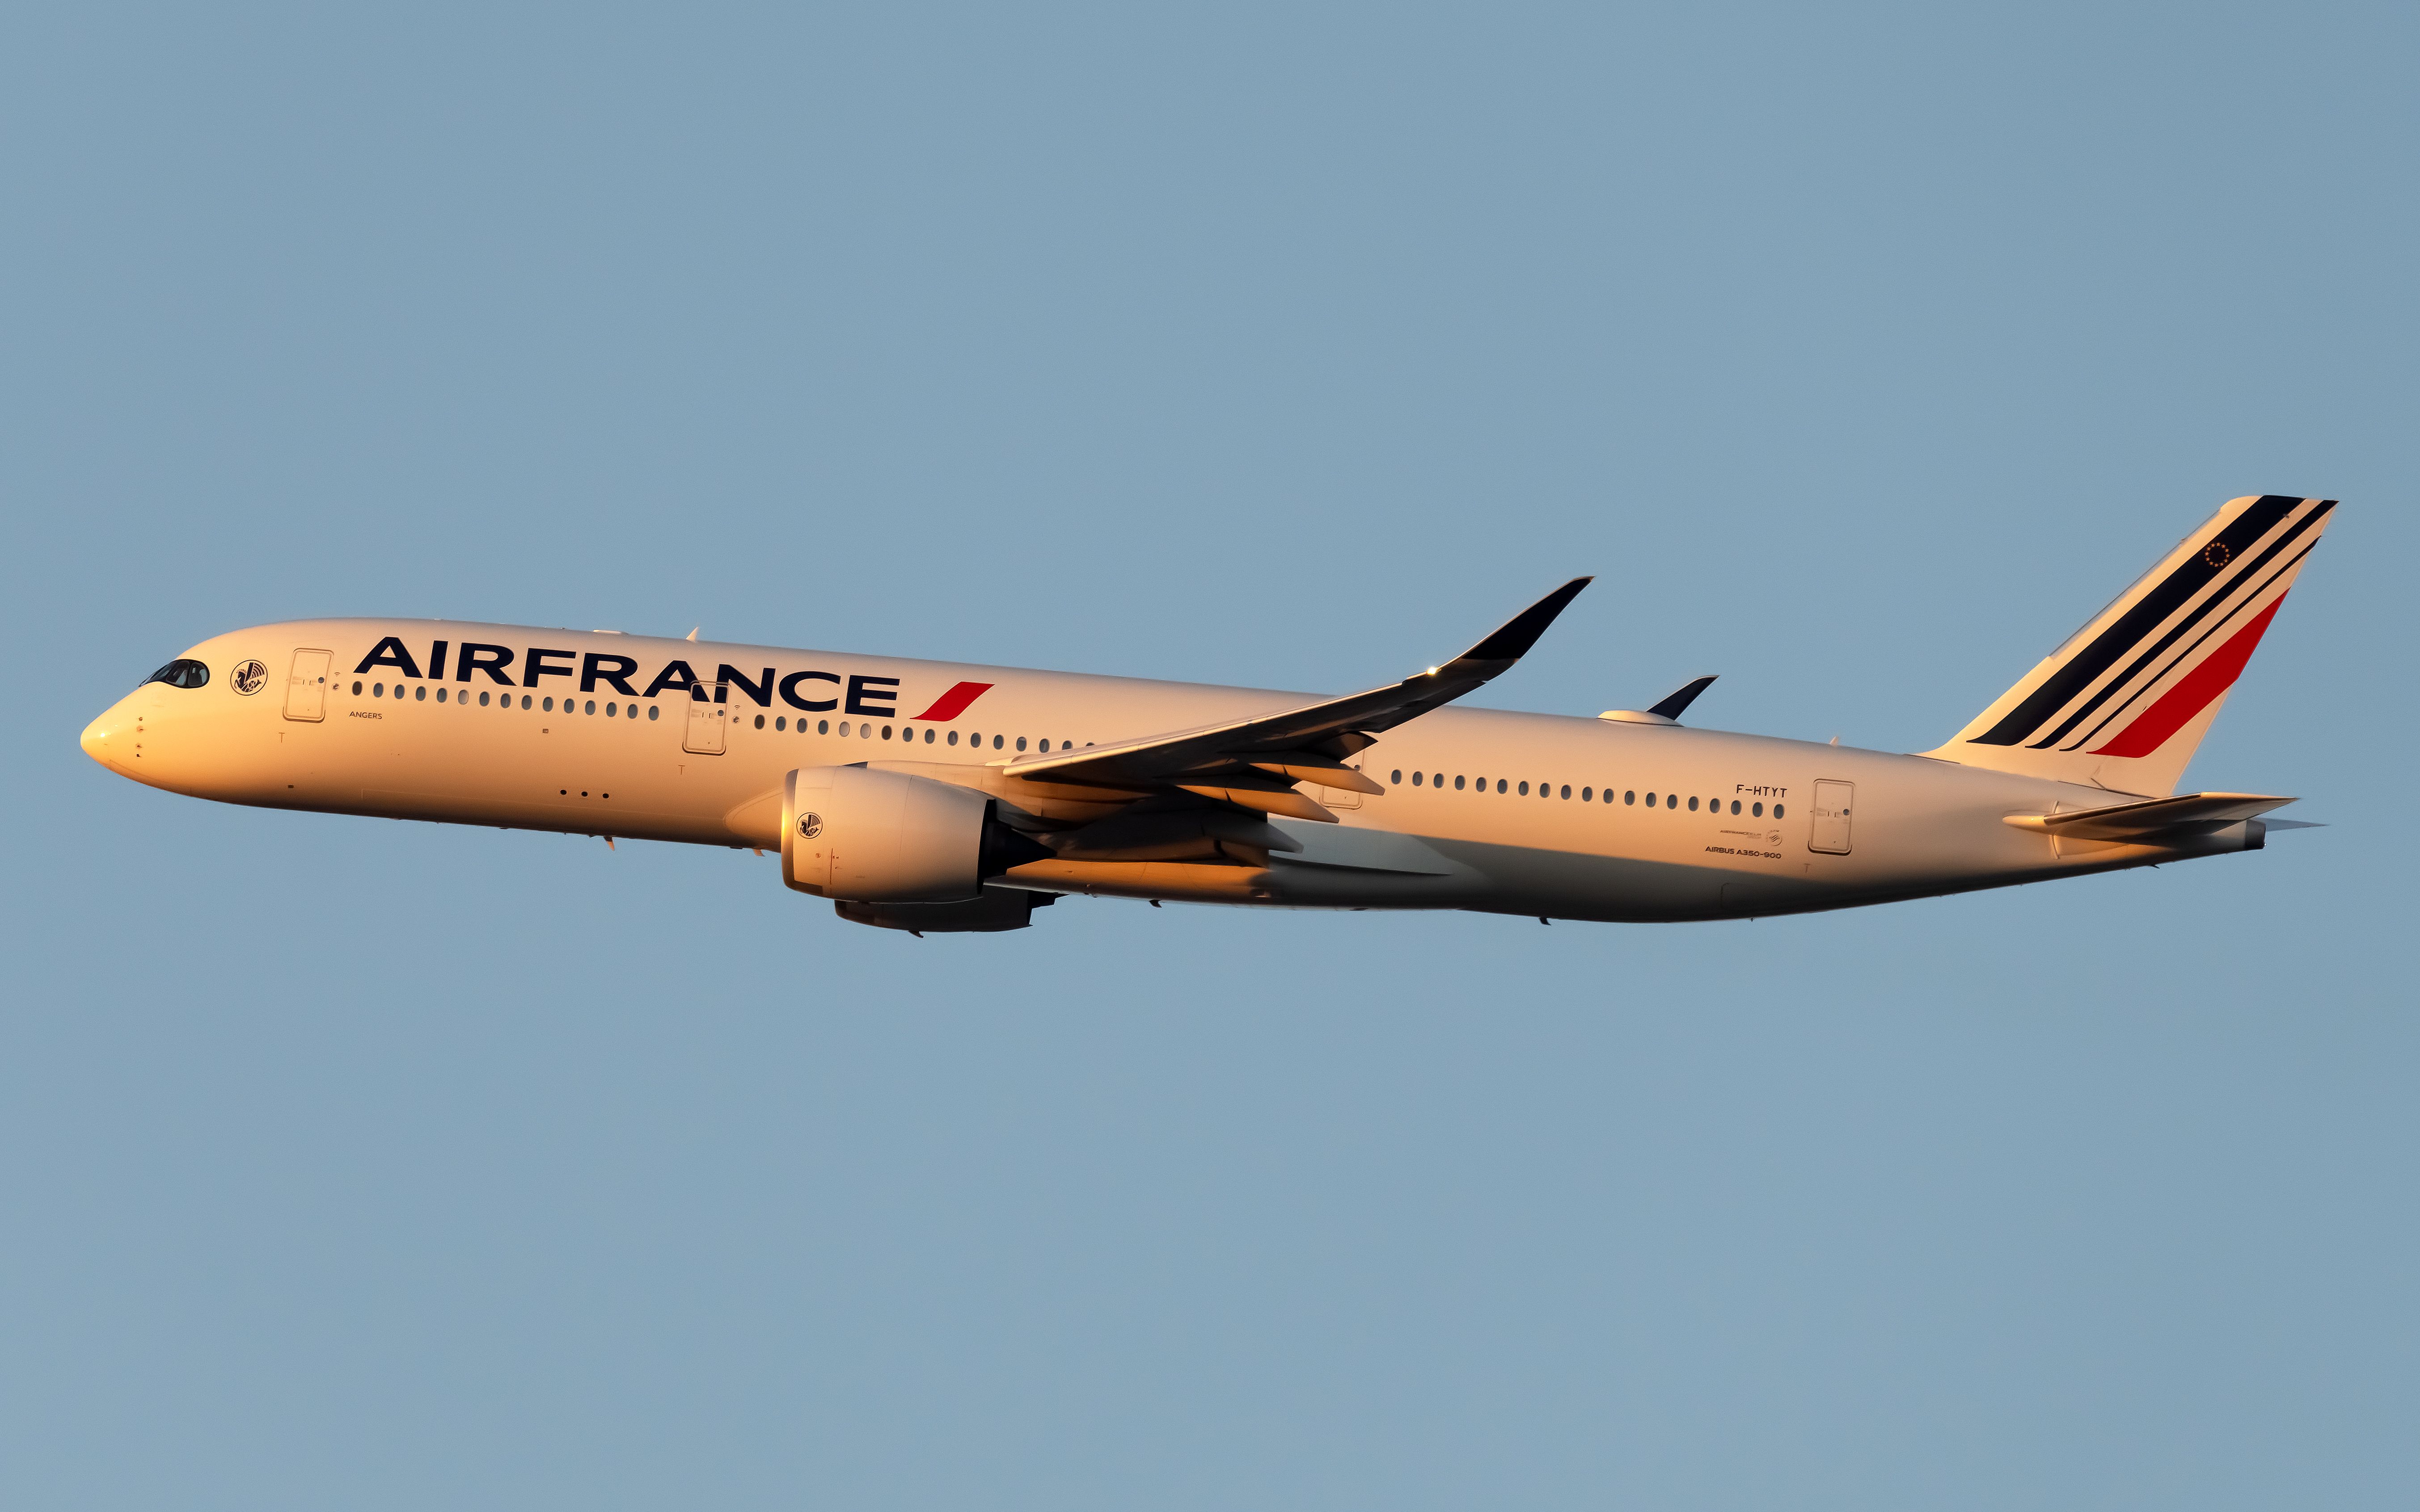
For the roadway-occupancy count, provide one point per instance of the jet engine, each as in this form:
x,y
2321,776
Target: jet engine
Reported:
x,y
856,835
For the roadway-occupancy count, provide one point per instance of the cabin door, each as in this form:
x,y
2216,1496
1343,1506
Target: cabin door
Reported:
x,y
306,689
1830,833
709,726
1337,797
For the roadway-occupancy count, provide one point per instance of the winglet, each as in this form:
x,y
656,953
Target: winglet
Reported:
x,y
1672,707
1519,633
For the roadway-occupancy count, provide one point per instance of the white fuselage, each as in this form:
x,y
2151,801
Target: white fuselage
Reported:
x,y
1749,834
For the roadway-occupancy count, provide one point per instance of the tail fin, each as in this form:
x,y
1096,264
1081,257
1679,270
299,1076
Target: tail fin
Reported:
x,y
2124,702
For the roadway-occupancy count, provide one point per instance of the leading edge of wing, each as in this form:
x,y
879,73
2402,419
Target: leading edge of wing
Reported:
x,y
1376,709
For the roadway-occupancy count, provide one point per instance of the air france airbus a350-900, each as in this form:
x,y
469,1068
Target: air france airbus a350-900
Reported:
x,y
935,797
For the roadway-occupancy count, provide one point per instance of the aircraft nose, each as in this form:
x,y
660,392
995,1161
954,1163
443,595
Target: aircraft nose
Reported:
x,y
108,736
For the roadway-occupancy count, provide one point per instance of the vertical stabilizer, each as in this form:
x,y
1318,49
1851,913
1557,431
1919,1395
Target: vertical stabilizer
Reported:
x,y
2125,702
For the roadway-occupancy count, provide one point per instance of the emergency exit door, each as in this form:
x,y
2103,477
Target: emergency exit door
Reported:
x,y
1830,831
306,687
708,727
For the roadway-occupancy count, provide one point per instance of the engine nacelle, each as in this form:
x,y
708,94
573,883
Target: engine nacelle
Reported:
x,y
863,836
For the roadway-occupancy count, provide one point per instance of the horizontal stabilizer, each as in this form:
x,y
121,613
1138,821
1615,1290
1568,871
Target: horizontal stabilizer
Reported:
x,y
2149,818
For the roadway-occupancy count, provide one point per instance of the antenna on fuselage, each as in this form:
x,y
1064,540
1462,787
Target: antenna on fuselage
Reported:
x,y
693,629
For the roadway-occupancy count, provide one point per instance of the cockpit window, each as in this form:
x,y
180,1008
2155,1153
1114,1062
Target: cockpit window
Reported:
x,y
182,672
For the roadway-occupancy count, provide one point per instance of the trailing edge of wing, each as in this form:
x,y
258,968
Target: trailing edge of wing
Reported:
x,y
1265,739
2153,816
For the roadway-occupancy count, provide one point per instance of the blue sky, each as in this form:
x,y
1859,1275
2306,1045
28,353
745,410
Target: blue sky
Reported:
x,y
1861,354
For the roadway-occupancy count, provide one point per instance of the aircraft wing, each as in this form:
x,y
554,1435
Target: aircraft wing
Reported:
x,y
1255,763
2152,816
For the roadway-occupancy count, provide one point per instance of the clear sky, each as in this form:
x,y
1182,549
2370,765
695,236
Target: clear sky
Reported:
x,y
1862,352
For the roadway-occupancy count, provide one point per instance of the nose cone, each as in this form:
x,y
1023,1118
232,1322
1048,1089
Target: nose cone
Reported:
x,y
109,739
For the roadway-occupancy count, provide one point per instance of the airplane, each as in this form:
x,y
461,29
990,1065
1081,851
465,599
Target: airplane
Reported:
x,y
946,797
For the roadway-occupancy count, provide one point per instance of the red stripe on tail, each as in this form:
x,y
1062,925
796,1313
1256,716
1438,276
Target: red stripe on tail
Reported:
x,y
2179,704
953,703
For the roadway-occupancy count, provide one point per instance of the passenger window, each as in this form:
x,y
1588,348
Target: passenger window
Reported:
x,y
1735,806
1567,790
760,721
823,727
928,739
1020,742
378,690
591,708
1416,777
1757,809
780,721
1457,783
1500,784
886,731
1587,794
548,706
844,727
654,709
1671,800
1396,776
357,691
482,700
954,738
1525,790
420,693
1776,810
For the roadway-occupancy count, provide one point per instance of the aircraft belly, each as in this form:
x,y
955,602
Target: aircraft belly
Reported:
x,y
1578,886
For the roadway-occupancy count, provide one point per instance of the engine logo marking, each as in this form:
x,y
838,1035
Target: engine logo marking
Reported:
x,y
810,825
